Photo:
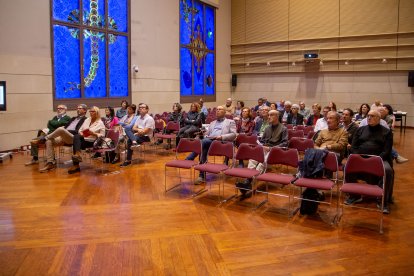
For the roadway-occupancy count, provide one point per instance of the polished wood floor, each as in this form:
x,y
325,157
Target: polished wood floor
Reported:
x,y
122,223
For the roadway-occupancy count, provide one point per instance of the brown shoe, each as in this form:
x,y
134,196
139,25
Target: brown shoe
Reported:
x,y
49,166
74,169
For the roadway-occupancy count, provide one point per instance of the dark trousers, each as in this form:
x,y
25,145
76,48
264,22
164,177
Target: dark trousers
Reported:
x,y
205,146
79,143
139,140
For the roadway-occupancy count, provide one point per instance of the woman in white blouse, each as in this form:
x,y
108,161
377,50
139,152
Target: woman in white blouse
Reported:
x,y
92,129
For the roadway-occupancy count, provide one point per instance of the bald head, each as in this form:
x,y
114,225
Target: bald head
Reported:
x,y
373,118
274,117
220,112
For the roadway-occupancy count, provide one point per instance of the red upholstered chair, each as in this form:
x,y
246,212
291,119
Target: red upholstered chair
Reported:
x,y
295,133
214,164
301,144
113,137
300,127
186,145
322,183
308,129
173,128
246,152
289,126
365,165
246,138
278,156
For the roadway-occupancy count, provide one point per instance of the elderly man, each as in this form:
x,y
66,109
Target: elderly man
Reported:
x,y
228,108
221,129
262,120
275,135
295,118
305,112
142,131
349,125
334,138
63,135
61,119
286,112
375,139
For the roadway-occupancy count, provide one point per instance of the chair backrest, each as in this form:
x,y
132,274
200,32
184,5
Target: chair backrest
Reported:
x,y
308,129
365,164
173,126
295,133
189,145
283,156
249,151
245,138
300,127
159,125
310,134
331,162
289,126
114,135
221,148
301,144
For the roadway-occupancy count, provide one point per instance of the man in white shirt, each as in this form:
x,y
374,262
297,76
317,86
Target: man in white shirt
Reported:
x,y
322,123
142,131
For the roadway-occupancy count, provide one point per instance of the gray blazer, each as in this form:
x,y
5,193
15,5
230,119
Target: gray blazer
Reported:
x,y
228,131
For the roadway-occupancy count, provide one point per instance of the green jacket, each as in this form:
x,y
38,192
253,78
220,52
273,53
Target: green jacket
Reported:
x,y
53,124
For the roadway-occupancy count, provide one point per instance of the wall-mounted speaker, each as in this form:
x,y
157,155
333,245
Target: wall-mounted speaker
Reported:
x,y
234,80
411,78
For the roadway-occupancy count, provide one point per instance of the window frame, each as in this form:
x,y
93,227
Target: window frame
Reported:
x,y
196,98
100,102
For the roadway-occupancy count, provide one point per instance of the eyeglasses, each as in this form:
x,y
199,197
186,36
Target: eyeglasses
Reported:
x,y
60,108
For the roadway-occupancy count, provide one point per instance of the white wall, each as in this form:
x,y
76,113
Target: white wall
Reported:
x,y
25,61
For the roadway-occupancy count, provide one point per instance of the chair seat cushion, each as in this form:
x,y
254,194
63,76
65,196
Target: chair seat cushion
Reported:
x,y
242,172
362,189
284,179
165,136
316,183
184,164
211,168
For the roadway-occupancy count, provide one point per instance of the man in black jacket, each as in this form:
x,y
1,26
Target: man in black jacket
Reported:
x,y
63,135
375,139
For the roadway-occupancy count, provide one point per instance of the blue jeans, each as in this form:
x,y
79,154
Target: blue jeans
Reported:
x,y
205,146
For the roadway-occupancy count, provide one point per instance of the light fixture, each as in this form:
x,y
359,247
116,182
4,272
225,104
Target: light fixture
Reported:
x,y
247,64
135,68
346,62
321,62
293,63
268,63
384,60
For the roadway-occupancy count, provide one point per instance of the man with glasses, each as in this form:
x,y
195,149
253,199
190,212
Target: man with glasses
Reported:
x,y
62,136
295,118
322,123
61,119
374,139
141,132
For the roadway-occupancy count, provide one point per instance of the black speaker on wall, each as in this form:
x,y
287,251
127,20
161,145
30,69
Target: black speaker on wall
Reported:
x,y
411,78
234,80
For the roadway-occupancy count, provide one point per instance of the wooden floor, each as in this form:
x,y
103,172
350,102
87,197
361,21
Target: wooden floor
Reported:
x,y
123,224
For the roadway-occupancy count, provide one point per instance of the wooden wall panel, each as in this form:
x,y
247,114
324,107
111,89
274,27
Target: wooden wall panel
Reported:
x,y
238,20
313,19
406,12
368,17
266,20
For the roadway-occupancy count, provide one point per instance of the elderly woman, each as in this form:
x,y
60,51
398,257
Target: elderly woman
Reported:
x,y
295,118
246,123
91,129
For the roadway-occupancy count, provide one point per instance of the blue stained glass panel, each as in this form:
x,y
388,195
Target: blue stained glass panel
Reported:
x,y
66,56
94,64
210,28
198,77
118,15
185,21
91,8
118,67
210,78
66,10
186,72
198,27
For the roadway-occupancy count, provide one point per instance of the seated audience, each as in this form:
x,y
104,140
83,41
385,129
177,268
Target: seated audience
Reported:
x,y
262,121
275,135
281,106
295,118
246,123
61,119
126,123
142,132
273,106
349,125
175,116
376,105
259,104
191,124
305,112
316,115
221,129
322,122
362,113
203,109
238,109
91,129
332,106
110,120
285,113
62,136
123,110
374,139
229,107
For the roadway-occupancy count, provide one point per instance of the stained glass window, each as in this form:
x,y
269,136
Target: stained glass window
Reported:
x,y
90,51
197,51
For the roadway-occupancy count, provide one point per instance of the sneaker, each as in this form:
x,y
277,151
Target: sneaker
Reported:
x,y
400,159
32,162
200,180
49,166
352,200
125,164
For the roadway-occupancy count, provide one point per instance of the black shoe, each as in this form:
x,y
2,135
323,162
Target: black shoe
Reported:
x,y
245,195
159,142
116,160
74,169
125,164
244,187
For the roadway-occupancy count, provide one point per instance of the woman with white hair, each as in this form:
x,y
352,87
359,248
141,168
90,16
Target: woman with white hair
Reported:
x,y
295,118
